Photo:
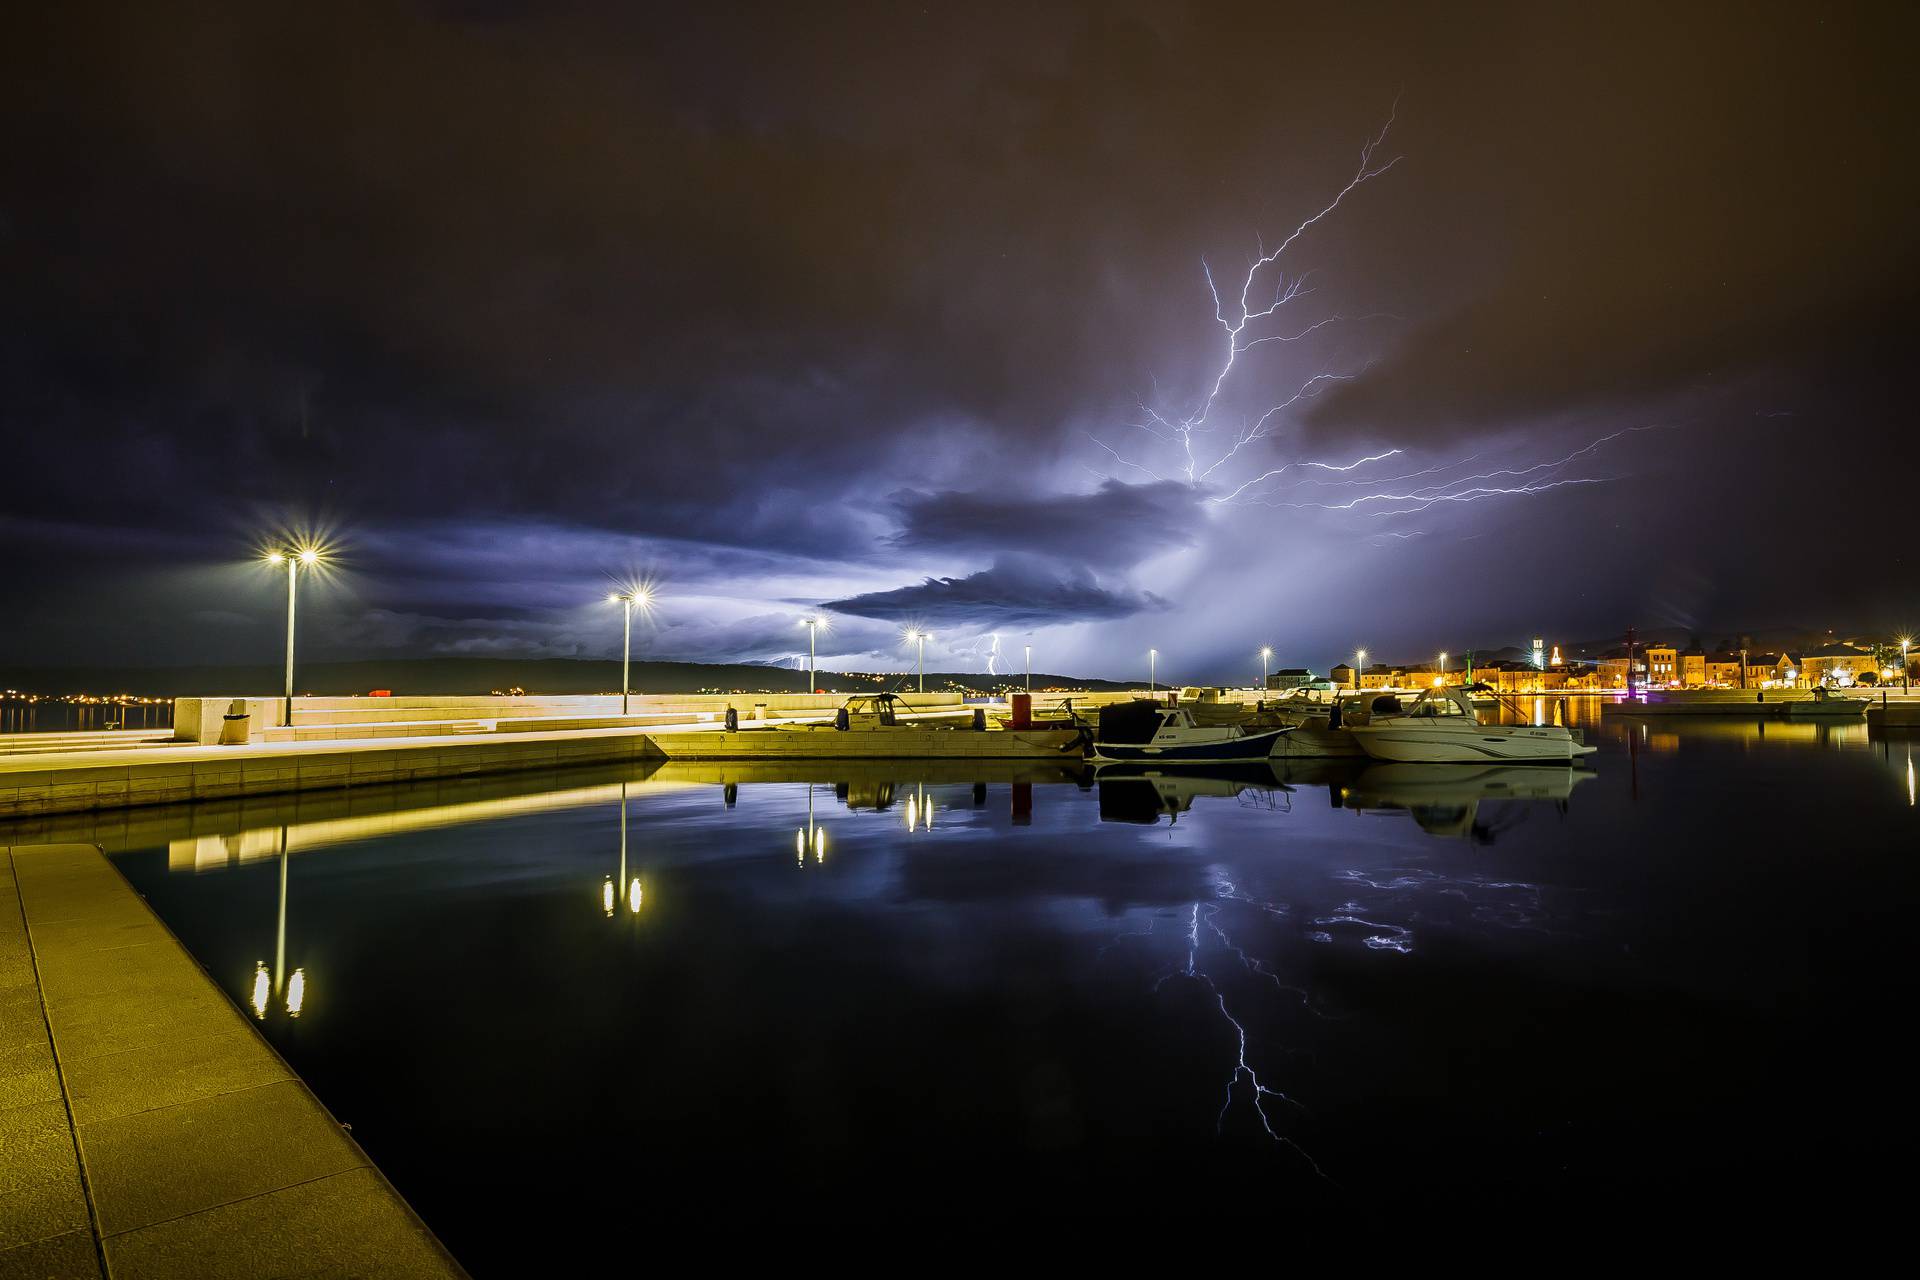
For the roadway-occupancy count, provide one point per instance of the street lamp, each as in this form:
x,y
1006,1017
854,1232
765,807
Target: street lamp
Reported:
x,y
812,625
1443,668
1905,643
1360,656
920,638
1029,668
1153,670
295,558
1266,655
629,598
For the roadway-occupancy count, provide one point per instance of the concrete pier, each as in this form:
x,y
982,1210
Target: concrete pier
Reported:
x,y
34,785
148,1129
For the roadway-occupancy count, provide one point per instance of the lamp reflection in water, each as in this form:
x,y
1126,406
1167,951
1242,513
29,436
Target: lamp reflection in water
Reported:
x,y
609,888
269,984
920,808
810,839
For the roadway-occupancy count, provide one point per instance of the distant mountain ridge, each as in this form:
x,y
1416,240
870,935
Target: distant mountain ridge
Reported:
x,y
451,676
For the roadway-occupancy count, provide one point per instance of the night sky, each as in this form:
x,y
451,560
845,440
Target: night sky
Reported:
x,y
898,310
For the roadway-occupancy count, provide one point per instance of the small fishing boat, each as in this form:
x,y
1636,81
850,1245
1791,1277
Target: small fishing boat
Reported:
x,y
1442,727
1826,705
1142,730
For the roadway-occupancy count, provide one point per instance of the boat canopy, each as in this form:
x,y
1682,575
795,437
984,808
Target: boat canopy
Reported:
x,y
1131,723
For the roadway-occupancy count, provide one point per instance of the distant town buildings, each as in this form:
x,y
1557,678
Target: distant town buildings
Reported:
x,y
1656,666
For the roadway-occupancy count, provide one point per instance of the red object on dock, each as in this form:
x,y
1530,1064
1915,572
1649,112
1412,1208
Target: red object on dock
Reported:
x,y
379,693
1022,716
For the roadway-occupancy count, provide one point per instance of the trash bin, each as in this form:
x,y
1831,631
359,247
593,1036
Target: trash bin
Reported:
x,y
236,724
759,711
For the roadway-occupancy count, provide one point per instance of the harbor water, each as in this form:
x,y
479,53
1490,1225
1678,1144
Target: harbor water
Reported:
x,y
623,1006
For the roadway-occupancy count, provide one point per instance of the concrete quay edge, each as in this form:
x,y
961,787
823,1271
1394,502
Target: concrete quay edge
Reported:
x,y
150,1130
32,786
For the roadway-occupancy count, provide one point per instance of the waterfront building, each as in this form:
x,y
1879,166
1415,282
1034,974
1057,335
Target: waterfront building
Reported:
x,y
1722,670
1836,664
1342,675
1520,677
1663,665
1772,669
1292,678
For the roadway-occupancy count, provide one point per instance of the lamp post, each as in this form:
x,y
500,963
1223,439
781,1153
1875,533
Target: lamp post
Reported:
x,y
627,599
1905,642
812,625
921,638
1153,670
296,559
1360,661
1029,668
1443,668
1266,656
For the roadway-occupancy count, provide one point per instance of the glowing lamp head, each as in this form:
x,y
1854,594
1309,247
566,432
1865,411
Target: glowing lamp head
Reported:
x,y
275,558
309,557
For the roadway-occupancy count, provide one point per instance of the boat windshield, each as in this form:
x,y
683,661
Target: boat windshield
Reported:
x,y
1438,707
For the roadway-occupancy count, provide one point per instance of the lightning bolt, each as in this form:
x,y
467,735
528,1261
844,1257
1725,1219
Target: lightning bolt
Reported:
x,y
1247,312
1243,1076
1239,313
1537,478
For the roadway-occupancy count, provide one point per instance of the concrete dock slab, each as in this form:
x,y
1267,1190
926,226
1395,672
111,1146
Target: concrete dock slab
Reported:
x,y
149,1130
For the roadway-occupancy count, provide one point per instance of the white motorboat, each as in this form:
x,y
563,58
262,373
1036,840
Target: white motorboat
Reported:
x,y
1153,732
1323,733
1441,726
1826,705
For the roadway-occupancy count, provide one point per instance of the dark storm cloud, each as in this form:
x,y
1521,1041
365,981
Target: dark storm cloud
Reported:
x,y
1116,526
1650,208
727,276
1015,592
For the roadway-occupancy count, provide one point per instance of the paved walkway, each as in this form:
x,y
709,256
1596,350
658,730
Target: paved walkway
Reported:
x,y
147,1129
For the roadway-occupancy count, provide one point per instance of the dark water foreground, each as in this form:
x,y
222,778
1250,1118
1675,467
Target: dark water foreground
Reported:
x,y
1680,982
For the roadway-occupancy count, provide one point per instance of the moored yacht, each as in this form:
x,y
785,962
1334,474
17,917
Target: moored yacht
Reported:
x,y
1441,726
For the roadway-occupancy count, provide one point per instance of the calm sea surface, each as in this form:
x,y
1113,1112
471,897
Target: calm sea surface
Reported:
x,y
1678,977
